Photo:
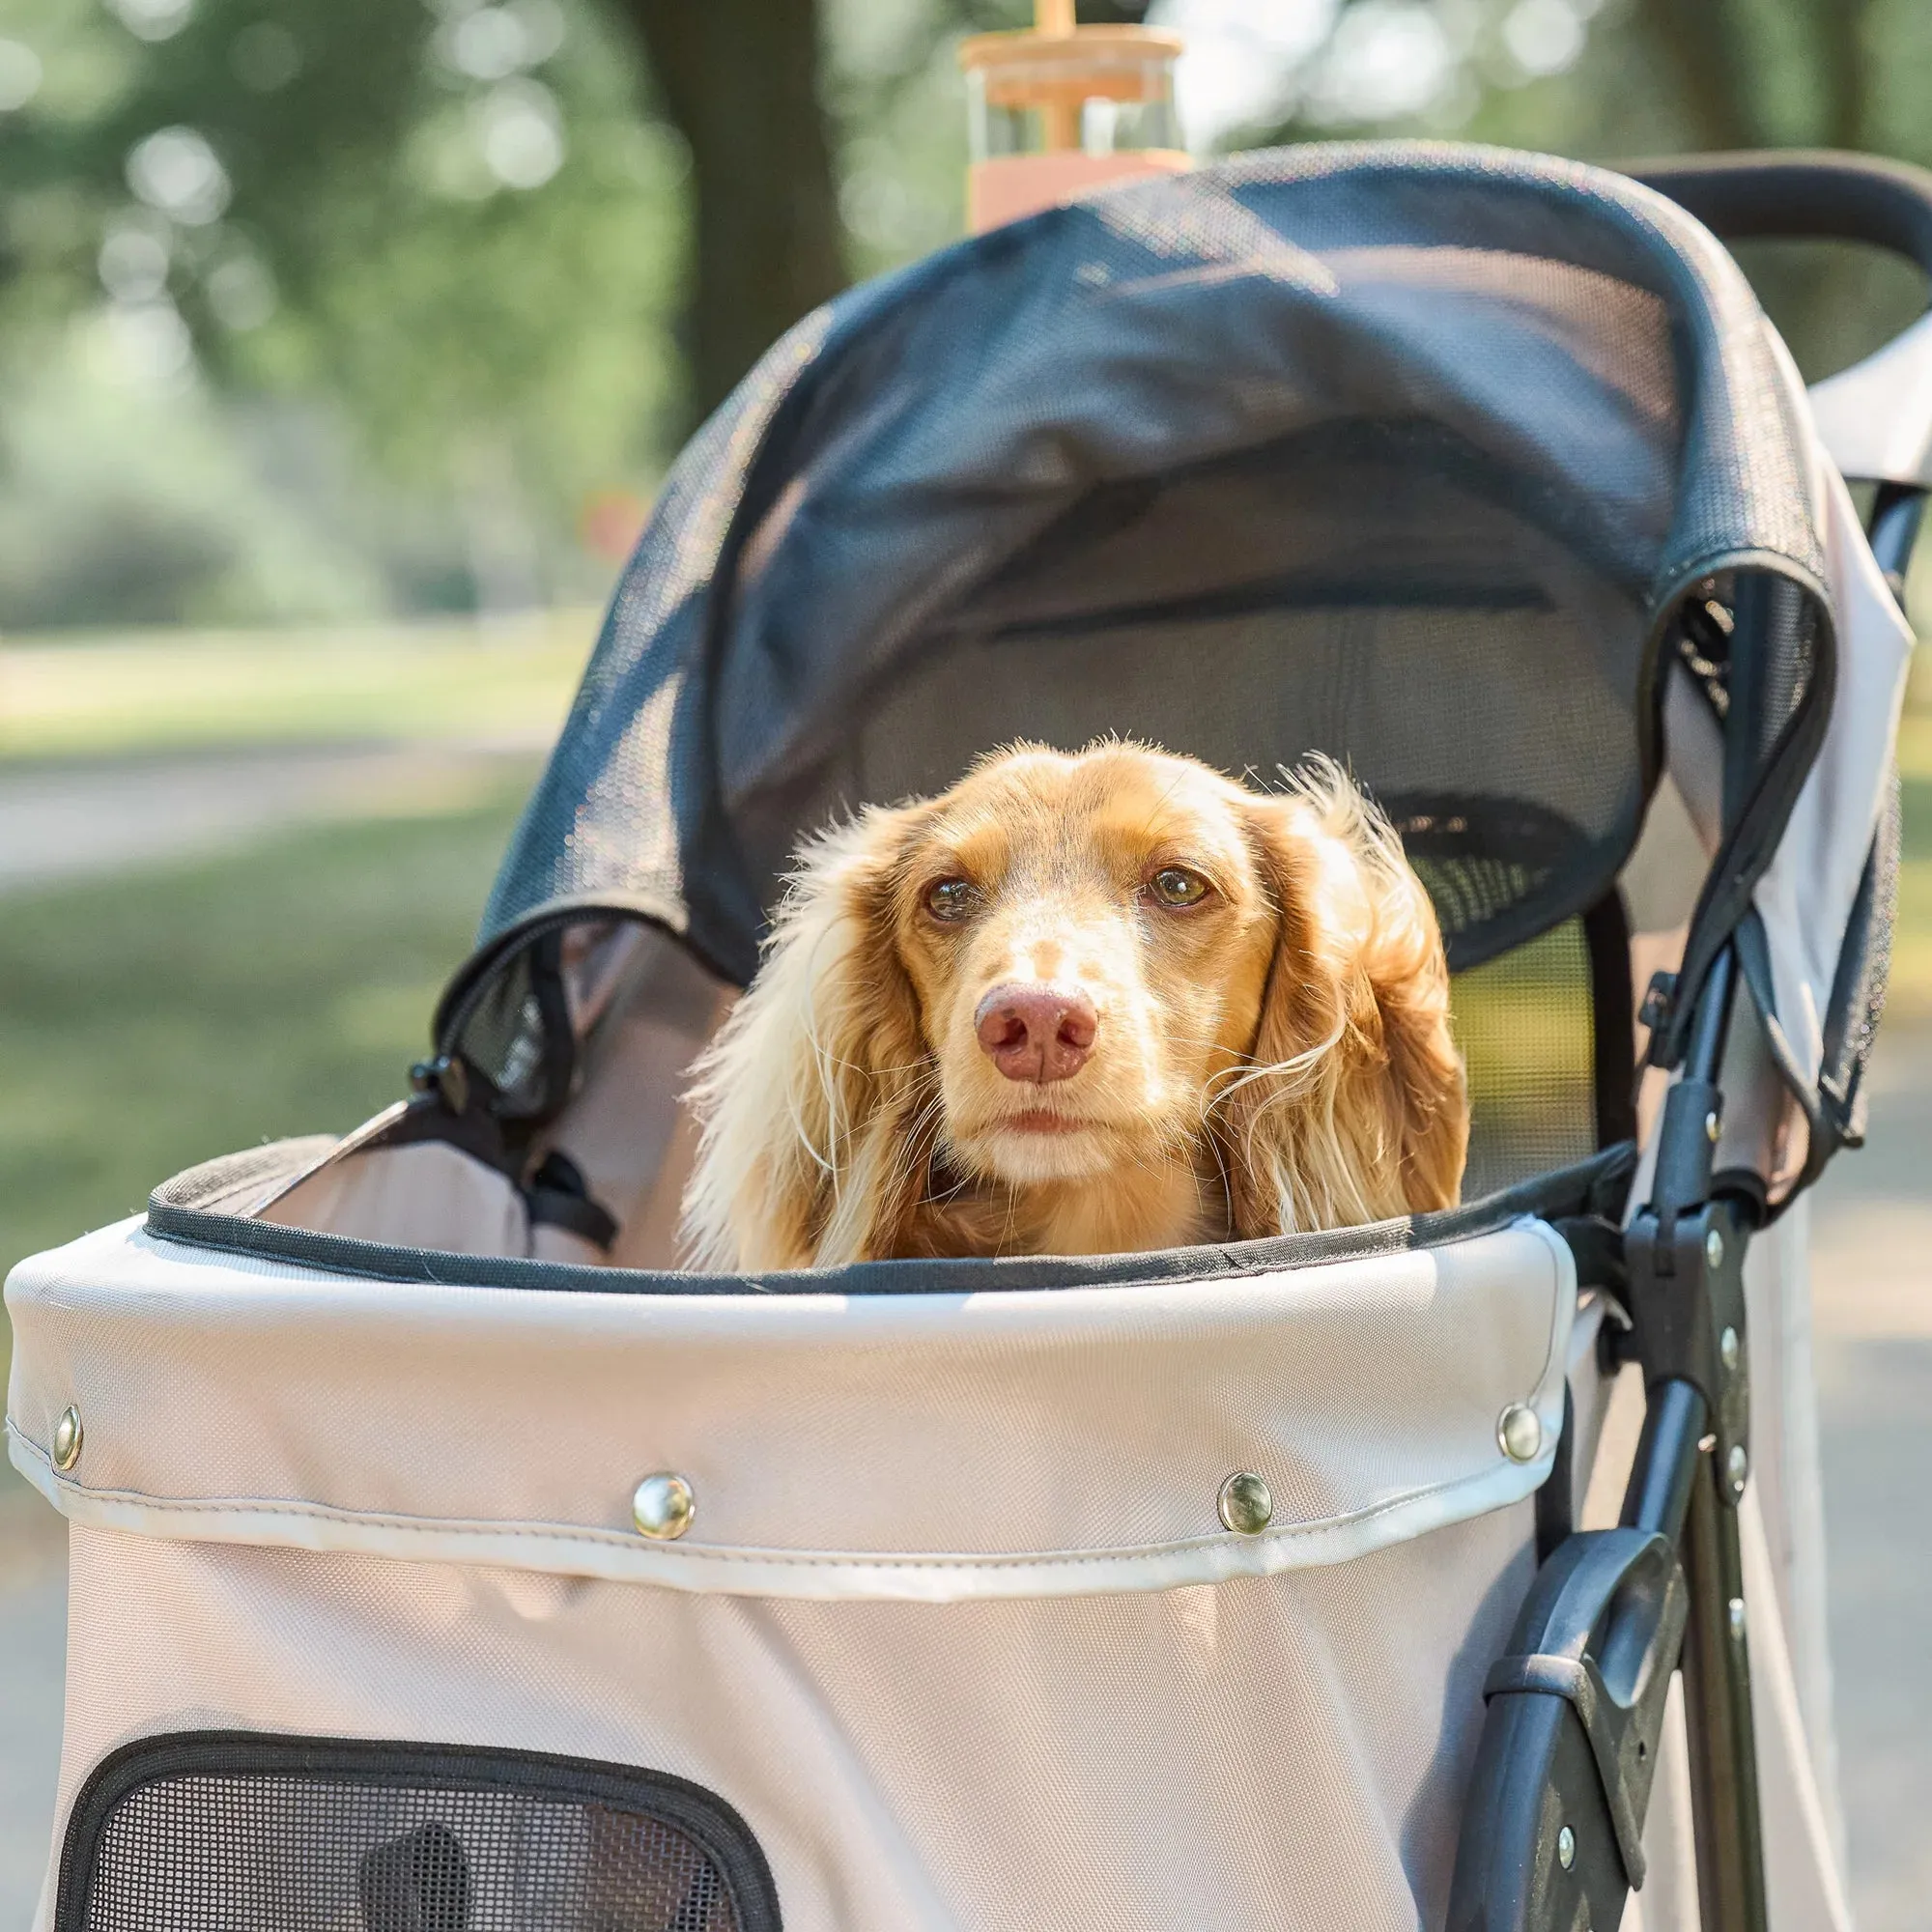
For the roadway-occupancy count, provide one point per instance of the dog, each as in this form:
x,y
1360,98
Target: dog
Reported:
x,y
1083,1004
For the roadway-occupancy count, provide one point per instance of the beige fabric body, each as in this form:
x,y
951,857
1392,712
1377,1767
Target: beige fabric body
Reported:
x,y
1282,1750
1268,1748
1118,1714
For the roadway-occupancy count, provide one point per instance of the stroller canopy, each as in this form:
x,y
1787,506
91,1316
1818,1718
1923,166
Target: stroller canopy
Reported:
x,y
1401,452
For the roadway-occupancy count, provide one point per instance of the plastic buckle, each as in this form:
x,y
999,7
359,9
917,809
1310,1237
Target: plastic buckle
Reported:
x,y
446,1077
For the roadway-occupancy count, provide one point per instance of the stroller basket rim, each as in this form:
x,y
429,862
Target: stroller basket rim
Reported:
x,y
181,1212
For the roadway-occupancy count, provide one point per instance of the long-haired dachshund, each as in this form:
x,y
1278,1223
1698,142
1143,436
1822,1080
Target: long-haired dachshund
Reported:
x,y
1083,1005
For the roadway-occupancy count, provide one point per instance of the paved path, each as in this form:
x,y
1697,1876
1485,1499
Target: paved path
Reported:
x,y
1873,1245
66,821
1872,1273
32,1644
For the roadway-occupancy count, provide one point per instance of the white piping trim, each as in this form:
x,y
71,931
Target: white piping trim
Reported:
x,y
937,1577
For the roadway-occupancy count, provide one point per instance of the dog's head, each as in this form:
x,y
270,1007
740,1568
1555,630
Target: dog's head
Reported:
x,y
1084,1003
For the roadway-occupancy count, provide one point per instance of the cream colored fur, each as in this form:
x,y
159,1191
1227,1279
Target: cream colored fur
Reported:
x,y
1275,1060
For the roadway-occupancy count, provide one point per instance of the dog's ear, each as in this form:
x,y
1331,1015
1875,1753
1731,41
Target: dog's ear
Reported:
x,y
810,1098
1352,1106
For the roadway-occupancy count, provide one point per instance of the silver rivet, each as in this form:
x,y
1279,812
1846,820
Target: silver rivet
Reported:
x,y
663,1508
1246,1504
1714,1248
1566,1848
1738,1466
1713,1127
68,1437
1519,1433
1727,1347
1737,1614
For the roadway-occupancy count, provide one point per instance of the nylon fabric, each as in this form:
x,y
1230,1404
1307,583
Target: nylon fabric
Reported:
x,y
1805,894
933,1446
1285,1750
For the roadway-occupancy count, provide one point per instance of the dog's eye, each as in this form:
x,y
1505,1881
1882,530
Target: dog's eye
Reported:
x,y
1177,886
952,899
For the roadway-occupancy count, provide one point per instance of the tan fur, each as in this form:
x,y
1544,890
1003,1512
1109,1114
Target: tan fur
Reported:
x,y
1275,1059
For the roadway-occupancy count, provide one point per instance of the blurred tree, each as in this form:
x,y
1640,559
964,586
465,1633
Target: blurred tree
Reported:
x,y
452,224
1723,59
464,228
740,78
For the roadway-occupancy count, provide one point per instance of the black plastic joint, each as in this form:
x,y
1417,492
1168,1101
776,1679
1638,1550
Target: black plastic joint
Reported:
x,y
1659,1000
1687,1145
1554,1825
1686,1302
446,1077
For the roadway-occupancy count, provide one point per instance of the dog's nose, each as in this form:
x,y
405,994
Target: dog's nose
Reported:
x,y
1037,1032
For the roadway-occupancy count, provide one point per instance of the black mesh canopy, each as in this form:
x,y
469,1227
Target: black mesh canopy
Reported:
x,y
1401,452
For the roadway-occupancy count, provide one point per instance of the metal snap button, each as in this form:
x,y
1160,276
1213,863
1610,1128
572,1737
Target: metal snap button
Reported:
x,y
1519,1433
662,1507
68,1439
1246,1504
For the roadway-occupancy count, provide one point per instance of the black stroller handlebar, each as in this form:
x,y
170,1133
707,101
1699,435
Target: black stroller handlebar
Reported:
x,y
1795,194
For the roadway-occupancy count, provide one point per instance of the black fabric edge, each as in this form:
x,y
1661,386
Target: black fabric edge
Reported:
x,y
711,1821
1614,1066
1591,1185
1750,844
1856,1008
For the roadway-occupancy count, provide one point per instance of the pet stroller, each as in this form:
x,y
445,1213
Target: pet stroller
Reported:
x,y
442,1557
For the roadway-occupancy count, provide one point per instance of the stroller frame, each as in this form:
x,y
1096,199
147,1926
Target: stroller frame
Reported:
x,y
1575,1715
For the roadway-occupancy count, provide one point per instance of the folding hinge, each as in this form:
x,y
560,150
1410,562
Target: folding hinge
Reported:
x,y
1687,1303
1553,1827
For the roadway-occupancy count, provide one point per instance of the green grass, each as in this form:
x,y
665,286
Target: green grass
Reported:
x,y
101,697
1909,996
154,1021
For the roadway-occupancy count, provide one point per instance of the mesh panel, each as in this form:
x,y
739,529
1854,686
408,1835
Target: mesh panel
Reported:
x,y
1526,1024
1331,629
396,1840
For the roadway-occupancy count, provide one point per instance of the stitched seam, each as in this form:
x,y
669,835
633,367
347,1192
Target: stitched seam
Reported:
x,y
1553,1241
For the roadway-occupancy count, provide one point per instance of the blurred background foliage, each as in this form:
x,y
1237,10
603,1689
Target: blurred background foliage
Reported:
x,y
314,310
